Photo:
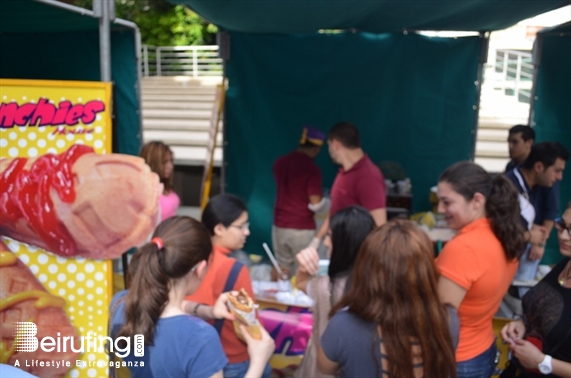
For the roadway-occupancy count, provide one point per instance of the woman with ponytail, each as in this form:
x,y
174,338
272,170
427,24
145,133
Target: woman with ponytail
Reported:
x,y
479,263
176,344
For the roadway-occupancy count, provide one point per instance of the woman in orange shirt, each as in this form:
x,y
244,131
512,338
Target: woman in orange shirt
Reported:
x,y
479,263
226,218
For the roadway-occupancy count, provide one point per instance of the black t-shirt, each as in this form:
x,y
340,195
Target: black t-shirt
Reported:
x,y
547,314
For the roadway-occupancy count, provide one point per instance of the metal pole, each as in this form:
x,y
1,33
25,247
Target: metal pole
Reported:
x,y
105,42
505,72
158,55
146,59
485,36
194,63
517,77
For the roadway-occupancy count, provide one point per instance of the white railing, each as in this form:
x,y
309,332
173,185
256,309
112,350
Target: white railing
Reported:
x,y
513,73
181,61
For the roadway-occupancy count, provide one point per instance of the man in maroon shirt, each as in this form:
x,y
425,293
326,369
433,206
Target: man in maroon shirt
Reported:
x,y
299,196
358,182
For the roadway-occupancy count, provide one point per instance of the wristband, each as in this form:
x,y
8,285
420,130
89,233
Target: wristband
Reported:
x,y
195,311
545,366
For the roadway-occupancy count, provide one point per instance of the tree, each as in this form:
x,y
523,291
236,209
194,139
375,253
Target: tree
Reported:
x,y
162,23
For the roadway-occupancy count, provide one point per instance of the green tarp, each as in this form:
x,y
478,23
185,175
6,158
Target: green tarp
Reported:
x,y
412,97
377,16
39,41
552,106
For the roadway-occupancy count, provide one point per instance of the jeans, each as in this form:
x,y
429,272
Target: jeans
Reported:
x,y
239,369
526,270
481,366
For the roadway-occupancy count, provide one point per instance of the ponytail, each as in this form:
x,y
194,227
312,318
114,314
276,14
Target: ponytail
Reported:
x,y
148,293
503,211
186,242
502,205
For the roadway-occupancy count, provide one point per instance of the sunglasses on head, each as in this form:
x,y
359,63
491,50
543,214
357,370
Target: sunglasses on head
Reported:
x,y
560,224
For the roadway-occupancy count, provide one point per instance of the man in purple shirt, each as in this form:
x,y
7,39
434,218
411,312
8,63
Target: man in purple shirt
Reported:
x,y
299,196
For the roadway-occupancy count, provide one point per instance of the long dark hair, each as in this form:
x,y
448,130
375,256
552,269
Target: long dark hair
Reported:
x,y
502,205
186,243
394,284
349,228
222,209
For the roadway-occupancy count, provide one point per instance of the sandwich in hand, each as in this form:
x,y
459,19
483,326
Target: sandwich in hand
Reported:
x,y
244,308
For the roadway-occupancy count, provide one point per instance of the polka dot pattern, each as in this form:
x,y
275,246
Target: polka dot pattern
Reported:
x,y
85,306
82,283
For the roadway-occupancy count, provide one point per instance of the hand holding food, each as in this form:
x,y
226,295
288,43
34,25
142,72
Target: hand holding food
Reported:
x,y
244,308
220,308
259,350
78,202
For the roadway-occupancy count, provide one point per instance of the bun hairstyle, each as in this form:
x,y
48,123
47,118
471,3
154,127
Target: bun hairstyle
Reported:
x,y
394,285
502,204
186,243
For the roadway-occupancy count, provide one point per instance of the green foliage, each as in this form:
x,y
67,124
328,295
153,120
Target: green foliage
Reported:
x,y
161,23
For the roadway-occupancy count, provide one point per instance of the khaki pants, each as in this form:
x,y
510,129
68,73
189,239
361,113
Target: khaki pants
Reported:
x,y
287,243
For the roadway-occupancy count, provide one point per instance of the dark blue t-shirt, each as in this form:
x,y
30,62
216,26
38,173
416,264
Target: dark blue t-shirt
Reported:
x,y
544,200
354,343
183,346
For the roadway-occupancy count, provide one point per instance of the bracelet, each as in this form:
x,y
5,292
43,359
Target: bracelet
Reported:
x,y
195,311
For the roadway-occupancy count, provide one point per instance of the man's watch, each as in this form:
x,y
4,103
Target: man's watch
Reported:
x,y
545,365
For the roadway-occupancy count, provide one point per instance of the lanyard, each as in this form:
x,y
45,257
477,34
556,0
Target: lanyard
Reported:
x,y
521,183
526,208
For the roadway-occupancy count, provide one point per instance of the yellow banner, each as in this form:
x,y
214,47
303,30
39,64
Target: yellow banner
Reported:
x,y
39,117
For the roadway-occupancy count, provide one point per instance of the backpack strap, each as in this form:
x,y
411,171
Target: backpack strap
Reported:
x,y
229,285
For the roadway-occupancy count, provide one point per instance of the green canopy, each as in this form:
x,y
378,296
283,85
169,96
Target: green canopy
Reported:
x,y
414,99
376,16
551,114
41,41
